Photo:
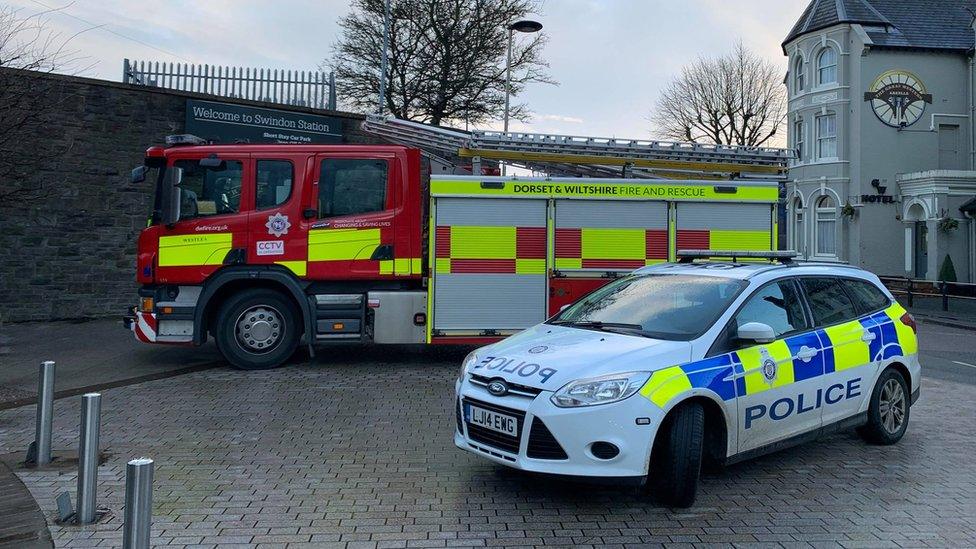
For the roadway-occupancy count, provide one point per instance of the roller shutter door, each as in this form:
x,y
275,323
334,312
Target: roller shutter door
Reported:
x,y
490,264
717,226
611,235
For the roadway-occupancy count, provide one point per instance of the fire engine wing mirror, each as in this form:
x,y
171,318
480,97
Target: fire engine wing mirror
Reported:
x,y
138,174
171,195
756,332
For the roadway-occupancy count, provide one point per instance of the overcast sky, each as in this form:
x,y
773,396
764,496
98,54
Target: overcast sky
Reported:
x,y
610,57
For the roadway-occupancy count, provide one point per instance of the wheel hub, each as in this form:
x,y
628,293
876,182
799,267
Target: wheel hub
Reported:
x,y
259,328
892,406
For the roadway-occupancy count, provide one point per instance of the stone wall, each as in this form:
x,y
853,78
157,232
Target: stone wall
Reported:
x,y
68,233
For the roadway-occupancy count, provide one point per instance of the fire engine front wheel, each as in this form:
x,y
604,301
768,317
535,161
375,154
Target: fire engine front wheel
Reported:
x,y
257,329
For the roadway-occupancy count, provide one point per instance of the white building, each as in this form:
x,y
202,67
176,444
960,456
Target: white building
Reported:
x,y
881,114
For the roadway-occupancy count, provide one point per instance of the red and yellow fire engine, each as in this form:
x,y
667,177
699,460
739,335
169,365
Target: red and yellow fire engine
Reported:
x,y
262,246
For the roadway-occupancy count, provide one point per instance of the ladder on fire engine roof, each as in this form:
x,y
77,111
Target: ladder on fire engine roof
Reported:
x,y
567,155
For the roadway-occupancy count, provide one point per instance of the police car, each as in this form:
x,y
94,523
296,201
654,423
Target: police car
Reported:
x,y
679,363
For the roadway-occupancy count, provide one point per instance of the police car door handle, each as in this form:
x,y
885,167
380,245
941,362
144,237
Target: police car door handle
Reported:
x,y
868,336
806,354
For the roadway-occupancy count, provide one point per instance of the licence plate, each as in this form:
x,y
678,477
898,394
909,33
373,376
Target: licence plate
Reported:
x,y
489,419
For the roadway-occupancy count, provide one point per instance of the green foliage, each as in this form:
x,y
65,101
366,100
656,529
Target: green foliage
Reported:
x,y
947,273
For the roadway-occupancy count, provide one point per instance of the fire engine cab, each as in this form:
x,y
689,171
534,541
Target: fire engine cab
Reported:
x,y
261,246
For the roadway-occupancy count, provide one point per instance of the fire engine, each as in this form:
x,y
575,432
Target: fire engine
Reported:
x,y
260,246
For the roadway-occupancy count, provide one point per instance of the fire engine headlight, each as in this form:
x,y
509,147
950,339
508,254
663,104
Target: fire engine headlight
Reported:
x,y
599,390
472,358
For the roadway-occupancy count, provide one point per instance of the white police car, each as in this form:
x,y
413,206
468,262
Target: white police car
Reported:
x,y
678,363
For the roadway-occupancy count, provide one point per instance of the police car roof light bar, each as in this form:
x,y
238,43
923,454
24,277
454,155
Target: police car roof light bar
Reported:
x,y
782,256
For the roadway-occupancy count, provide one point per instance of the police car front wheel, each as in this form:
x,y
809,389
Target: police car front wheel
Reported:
x,y
889,409
676,456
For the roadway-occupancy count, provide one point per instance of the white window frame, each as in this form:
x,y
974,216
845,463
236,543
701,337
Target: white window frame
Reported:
x,y
824,214
799,78
799,141
831,67
796,230
826,140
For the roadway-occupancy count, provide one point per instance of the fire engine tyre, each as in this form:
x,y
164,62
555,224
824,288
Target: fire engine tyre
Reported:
x,y
677,456
258,329
889,409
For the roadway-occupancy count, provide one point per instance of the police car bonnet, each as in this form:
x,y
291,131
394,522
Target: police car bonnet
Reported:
x,y
547,357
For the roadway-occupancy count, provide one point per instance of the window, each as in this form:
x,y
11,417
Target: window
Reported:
x,y
828,301
674,307
798,75
778,305
826,227
798,139
797,234
209,191
827,66
868,297
352,186
827,136
274,179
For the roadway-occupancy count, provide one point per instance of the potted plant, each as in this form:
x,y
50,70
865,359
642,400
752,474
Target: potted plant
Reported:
x,y
848,211
948,224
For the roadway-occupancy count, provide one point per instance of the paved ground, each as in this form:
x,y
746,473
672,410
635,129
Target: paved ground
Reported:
x,y
355,450
90,353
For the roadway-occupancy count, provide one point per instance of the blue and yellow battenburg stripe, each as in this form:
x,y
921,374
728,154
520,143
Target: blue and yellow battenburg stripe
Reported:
x,y
739,373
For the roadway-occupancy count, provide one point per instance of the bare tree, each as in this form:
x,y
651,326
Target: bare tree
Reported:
x,y
27,47
736,99
446,58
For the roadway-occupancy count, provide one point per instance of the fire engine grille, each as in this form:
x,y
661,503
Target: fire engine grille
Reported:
x,y
492,438
542,445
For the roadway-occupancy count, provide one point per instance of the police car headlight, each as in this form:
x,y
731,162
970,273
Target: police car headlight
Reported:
x,y
469,360
599,390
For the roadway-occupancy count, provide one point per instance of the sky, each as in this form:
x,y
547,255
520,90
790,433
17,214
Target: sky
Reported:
x,y
610,57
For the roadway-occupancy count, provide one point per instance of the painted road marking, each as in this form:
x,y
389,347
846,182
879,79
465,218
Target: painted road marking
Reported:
x,y
964,364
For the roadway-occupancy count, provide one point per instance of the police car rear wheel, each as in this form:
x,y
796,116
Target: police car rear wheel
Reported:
x,y
889,410
677,456
258,329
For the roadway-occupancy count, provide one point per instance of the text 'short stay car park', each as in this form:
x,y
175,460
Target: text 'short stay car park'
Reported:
x,y
680,363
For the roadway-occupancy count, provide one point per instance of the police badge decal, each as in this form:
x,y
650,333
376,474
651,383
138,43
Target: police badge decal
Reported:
x,y
277,224
768,365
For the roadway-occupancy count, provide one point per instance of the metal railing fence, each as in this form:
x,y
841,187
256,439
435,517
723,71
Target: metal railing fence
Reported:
x,y
932,293
315,89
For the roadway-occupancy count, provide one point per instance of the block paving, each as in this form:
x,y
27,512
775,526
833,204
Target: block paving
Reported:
x,y
355,450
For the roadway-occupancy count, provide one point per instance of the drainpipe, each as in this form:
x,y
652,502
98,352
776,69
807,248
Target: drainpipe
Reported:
x,y
972,99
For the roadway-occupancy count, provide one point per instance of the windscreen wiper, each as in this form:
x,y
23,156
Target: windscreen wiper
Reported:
x,y
604,326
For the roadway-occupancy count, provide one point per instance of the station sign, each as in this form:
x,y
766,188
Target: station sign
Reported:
x,y
229,123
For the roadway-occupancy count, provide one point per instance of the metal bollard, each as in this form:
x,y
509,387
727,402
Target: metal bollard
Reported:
x,y
91,408
138,504
45,412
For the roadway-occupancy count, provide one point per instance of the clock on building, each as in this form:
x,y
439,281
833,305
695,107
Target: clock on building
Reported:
x,y
898,98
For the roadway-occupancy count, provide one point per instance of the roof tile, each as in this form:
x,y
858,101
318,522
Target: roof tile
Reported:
x,y
930,24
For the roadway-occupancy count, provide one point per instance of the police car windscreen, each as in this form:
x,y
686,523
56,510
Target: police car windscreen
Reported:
x,y
675,307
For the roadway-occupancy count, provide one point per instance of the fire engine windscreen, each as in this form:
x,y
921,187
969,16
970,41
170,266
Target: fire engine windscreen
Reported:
x,y
189,190
673,307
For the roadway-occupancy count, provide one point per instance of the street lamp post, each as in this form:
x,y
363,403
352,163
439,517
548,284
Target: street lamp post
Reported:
x,y
385,55
527,27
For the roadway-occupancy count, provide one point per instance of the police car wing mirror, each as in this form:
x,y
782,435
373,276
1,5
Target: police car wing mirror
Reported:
x,y
170,195
757,332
